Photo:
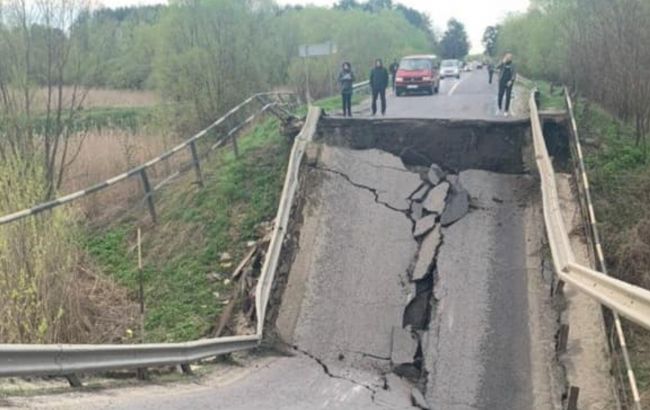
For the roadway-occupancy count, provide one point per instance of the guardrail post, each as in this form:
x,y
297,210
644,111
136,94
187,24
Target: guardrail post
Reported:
x,y
186,369
146,185
562,338
572,399
197,164
235,147
74,381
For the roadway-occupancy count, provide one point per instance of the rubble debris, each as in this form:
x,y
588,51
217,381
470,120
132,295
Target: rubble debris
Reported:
x,y
425,225
418,399
416,211
427,254
457,207
420,193
403,346
435,174
435,201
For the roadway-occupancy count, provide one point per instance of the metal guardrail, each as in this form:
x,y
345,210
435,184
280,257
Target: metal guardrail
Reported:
x,y
630,301
141,170
617,341
32,360
360,85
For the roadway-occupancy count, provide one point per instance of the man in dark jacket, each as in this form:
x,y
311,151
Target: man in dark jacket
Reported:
x,y
506,82
378,84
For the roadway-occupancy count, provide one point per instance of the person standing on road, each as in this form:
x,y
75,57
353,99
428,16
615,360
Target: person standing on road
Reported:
x,y
378,84
507,79
393,71
346,80
490,68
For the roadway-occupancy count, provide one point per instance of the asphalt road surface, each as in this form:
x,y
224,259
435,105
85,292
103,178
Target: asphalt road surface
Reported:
x,y
470,97
486,340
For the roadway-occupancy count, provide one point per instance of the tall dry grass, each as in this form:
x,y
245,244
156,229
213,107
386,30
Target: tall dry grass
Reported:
x,y
105,153
96,97
46,295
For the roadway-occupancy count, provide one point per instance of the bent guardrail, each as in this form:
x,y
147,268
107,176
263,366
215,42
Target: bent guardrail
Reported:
x,y
630,301
63,360
141,170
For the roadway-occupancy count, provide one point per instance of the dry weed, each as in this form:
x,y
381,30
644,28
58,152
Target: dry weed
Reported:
x,y
106,153
98,97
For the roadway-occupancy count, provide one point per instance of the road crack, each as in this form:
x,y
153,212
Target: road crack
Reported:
x,y
327,371
372,190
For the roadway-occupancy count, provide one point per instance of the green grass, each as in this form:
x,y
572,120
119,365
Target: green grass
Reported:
x,y
334,104
548,100
619,175
194,228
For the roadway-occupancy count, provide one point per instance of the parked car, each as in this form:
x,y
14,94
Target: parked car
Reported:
x,y
450,68
418,73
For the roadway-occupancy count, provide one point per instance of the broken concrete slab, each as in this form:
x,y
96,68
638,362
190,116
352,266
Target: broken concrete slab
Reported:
x,y
403,346
378,171
421,193
418,400
396,395
424,225
457,207
435,201
416,211
435,174
427,254
323,311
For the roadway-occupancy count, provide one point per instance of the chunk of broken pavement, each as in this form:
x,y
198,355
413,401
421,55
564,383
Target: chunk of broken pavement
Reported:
x,y
418,399
435,174
420,193
457,207
435,201
427,254
403,346
424,225
416,210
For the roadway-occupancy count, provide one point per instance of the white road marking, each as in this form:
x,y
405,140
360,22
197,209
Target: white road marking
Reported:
x,y
454,87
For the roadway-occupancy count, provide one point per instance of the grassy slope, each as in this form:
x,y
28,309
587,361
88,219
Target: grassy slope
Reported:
x,y
620,183
195,227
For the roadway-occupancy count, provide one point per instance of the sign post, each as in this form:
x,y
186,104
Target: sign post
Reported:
x,y
317,50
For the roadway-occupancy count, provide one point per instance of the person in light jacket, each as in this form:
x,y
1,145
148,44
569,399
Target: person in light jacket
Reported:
x,y
346,80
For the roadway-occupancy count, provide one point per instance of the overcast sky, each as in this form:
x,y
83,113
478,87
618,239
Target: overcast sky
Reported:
x,y
475,14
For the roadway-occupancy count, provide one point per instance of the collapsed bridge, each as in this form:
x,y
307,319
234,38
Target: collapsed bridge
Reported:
x,y
409,268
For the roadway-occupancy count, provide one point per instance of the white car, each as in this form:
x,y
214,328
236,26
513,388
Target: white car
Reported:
x,y
450,68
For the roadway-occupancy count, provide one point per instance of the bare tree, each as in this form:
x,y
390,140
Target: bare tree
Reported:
x,y
43,79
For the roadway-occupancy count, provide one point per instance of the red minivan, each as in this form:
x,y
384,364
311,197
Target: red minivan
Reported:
x,y
418,73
